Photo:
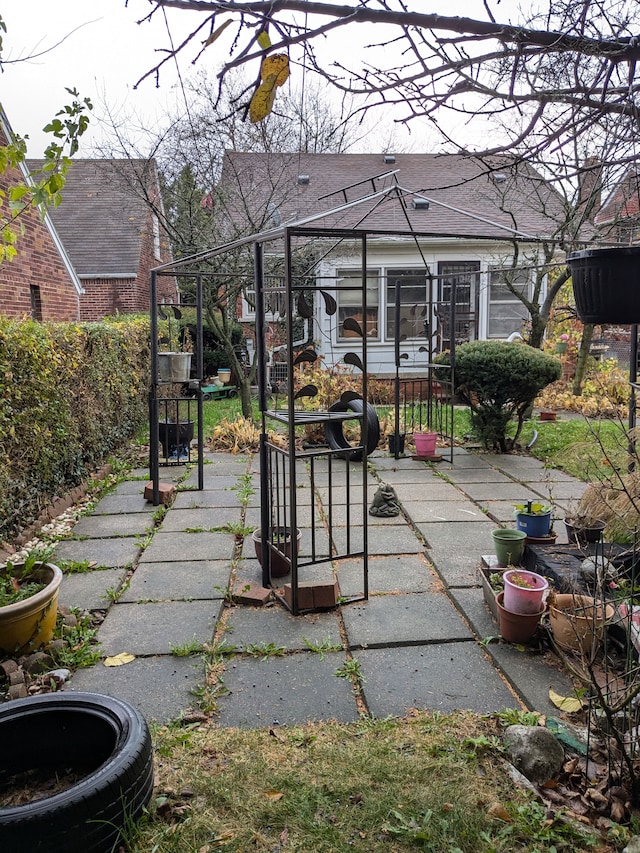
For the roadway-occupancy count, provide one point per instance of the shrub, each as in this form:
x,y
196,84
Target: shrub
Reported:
x,y
499,381
71,393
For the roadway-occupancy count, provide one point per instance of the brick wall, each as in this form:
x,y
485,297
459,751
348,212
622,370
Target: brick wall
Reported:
x,y
38,263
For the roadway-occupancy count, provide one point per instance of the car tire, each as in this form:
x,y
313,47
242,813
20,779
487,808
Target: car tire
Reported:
x,y
101,737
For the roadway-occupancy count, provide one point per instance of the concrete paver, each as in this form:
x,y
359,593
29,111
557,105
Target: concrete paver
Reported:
x,y
416,638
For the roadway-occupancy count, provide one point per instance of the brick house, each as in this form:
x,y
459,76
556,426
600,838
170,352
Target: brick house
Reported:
x,y
618,219
40,282
107,225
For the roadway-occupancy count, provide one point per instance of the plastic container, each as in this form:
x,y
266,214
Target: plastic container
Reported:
x,y
425,443
524,591
508,545
174,366
535,525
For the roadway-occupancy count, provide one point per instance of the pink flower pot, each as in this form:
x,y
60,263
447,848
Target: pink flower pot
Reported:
x,y
520,598
425,443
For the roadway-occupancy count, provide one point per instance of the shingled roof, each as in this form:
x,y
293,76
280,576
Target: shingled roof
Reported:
x,y
466,197
101,219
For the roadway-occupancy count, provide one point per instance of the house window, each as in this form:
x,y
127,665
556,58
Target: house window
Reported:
x,y
36,302
463,276
413,288
350,303
506,312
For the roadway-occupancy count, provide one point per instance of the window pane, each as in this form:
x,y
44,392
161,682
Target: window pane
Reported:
x,y
350,303
413,289
506,318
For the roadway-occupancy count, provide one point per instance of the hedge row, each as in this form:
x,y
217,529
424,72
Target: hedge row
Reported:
x,y
70,394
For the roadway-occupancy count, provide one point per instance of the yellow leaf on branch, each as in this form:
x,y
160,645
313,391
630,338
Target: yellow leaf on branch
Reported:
x,y
274,72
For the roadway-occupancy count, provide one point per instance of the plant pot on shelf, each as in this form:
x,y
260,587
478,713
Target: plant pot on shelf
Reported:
x,y
584,532
577,621
425,443
174,366
606,284
175,437
561,346
516,627
28,624
533,518
524,591
281,542
508,545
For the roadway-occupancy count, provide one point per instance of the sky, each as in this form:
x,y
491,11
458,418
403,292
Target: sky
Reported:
x,y
98,47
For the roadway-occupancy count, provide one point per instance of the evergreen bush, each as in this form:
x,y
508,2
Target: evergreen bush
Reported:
x,y
70,394
499,382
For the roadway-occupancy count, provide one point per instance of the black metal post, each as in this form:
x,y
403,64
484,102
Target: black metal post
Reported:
x,y
261,357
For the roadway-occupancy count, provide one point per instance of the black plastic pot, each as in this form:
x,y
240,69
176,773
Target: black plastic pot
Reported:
x,y
396,443
606,284
174,436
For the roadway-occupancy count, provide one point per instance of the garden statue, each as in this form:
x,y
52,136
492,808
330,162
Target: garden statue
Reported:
x,y
385,502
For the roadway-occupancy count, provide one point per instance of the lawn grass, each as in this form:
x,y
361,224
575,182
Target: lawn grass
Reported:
x,y
430,782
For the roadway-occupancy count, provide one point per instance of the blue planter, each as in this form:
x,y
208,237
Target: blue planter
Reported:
x,y
535,526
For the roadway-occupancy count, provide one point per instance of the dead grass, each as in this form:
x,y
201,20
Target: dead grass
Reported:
x,y
430,782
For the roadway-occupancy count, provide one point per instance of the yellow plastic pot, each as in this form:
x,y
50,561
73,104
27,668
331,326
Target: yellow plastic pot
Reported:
x,y
29,624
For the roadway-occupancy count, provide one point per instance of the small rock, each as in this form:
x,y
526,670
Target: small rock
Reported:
x,y
37,663
60,675
633,846
64,609
57,646
16,677
7,667
534,751
70,620
18,691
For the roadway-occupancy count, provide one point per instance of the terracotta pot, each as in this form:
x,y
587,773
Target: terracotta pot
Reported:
x,y
29,624
280,549
516,627
547,416
577,621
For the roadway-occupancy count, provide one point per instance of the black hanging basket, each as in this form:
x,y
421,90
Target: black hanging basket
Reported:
x,y
606,284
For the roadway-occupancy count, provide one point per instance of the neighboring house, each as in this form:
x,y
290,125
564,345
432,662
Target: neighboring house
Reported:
x,y
111,234
469,218
618,219
40,282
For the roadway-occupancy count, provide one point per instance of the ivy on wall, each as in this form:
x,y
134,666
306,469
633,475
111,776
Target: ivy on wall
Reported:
x,y
70,394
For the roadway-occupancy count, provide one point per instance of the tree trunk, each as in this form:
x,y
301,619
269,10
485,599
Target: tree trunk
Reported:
x,y
581,361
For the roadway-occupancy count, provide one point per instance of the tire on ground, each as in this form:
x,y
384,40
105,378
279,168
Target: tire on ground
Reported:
x,y
101,737
334,433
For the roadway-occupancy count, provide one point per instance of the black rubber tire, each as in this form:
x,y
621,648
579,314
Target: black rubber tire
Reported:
x,y
334,434
105,737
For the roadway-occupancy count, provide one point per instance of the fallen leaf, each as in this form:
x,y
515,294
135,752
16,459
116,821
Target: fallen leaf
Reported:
x,y
119,660
499,811
274,796
566,703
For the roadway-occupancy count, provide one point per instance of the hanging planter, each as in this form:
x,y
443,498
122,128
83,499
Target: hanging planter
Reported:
x,y
174,366
606,284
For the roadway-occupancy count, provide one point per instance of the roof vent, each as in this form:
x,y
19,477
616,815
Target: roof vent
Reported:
x,y
389,159
499,177
303,179
419,203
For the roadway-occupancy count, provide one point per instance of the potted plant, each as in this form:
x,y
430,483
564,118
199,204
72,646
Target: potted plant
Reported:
x,y
583,527
561,345
534,518
28,603
516,627
173,365
280,542
523,591
577,621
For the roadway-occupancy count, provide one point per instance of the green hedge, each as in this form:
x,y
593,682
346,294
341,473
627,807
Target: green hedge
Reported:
x,y
70,394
